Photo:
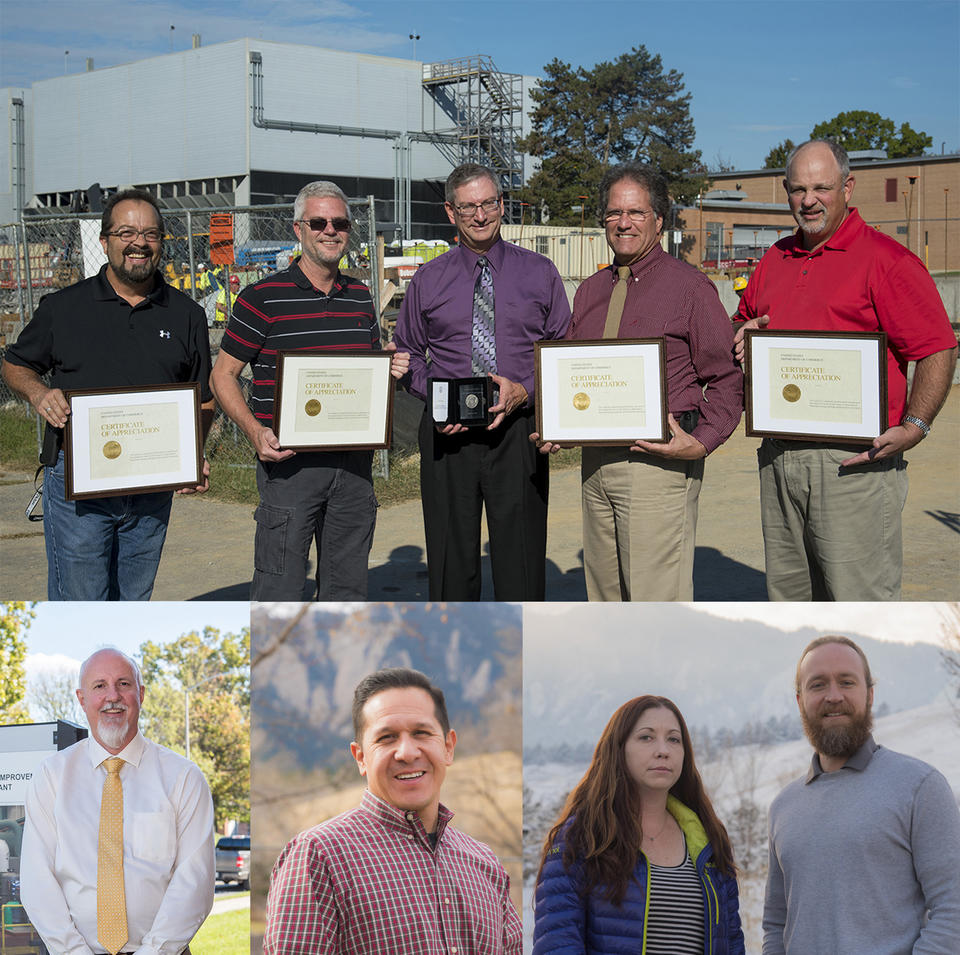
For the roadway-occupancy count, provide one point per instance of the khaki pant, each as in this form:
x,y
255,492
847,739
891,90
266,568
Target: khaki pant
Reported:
x,y
639,524
830,533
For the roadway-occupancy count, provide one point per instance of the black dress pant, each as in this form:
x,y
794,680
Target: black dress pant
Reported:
x,y
501,470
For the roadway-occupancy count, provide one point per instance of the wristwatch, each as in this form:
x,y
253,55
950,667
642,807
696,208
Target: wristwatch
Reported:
x,y
919,422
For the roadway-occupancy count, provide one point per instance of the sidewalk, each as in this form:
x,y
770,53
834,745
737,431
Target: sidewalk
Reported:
x,y
209,549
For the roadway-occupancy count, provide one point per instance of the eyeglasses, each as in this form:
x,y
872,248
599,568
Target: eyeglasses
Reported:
x,y
635,215
469,209
129,235
319,224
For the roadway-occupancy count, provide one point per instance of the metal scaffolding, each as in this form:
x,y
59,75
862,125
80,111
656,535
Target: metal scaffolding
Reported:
x,y
476,117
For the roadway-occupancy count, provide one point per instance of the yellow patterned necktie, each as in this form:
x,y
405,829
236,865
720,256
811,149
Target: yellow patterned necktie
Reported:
x,y
111,901
618,299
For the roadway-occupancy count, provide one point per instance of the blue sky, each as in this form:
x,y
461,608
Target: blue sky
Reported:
x,y
74,630
758,70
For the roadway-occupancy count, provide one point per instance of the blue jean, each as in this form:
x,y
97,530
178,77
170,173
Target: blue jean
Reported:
x,y
104,548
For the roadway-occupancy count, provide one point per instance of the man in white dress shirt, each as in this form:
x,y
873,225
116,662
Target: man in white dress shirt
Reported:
x,y
168,858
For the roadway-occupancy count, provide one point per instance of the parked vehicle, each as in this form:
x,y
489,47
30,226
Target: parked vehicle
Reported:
x,y
233,860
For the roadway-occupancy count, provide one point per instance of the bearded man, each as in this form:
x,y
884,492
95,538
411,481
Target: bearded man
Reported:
x,y
864,849
118,838
121,328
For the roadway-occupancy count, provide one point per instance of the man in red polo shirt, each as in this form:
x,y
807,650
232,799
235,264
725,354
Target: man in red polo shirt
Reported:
x,y
831,512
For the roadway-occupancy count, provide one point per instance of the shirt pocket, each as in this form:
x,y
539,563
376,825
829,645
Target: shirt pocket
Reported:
x,y
154,836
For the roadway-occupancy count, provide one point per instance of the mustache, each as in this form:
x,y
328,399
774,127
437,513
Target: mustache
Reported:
x,y
827,710
113,706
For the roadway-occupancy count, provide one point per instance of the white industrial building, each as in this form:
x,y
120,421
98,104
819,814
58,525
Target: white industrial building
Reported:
x,y
249,122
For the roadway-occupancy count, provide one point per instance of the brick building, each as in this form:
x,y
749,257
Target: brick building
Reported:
x,y
916,201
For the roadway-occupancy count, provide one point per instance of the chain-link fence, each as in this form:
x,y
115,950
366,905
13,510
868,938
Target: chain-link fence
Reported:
x,y
203,250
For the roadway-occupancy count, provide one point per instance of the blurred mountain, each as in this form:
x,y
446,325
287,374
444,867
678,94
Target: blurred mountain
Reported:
x,y
579,667
303,678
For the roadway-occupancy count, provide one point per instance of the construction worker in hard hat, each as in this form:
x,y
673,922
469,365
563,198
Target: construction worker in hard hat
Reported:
x,y
739,284
224,309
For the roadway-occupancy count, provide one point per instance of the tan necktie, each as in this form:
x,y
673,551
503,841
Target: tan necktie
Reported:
x,y
111,901
617,300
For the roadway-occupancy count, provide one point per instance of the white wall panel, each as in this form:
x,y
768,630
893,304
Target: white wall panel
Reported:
x,y
311,85
187,115
179,116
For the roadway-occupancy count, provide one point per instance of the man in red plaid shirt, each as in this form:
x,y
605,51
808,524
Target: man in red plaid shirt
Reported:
x,y
392,876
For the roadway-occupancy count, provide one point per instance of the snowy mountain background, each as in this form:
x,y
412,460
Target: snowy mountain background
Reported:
x,y
733,681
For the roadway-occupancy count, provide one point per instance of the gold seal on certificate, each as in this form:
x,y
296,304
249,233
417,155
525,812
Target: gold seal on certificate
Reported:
x,y
791,392
338,401
342,394
132,440
830,379
141,439
607,392
815,385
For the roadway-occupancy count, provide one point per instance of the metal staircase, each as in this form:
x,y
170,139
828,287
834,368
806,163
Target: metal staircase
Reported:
x,y
476,117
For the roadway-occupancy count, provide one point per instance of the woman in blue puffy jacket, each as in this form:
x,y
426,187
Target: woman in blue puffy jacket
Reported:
x,y
638,861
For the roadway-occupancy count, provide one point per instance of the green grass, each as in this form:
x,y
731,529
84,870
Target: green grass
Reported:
x,y
226,934
232,476
18,440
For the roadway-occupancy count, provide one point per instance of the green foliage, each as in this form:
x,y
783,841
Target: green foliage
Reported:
x,y
864,129
587,120
215,668
777,157
15,618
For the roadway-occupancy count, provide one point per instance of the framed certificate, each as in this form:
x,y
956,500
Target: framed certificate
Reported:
x,y
340,401
132,440
608,392
822,386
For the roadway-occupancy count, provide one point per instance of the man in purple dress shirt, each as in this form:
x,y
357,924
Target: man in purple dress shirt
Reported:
x,y
463,470
640,503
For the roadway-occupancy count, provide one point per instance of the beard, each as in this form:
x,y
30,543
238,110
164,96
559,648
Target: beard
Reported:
x,y
135,274
838,742
812,228
111,732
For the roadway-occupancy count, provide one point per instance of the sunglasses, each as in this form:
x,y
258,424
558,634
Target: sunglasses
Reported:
x,y
319,224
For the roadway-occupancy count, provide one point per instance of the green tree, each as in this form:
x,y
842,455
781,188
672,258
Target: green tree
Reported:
x,y
587,120
215,667
863,129
15,618
777,157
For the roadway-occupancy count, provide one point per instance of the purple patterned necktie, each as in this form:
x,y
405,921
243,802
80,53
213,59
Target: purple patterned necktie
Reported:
x,y
483,358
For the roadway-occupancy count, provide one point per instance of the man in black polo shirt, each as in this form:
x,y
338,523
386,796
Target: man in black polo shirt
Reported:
x,y
122,328
326,496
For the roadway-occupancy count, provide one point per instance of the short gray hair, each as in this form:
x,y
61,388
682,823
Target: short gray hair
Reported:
x,y
119,652
467,172
320,189
839,153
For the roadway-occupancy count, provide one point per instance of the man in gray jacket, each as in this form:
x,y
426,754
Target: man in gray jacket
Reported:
x,y
865,850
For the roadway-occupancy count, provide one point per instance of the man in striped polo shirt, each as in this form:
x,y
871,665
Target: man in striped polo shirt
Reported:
x,y
322,495
393,876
